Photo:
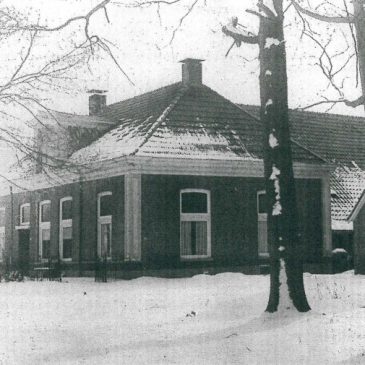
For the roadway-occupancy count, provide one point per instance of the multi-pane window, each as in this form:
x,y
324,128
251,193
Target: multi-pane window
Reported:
x,y
65,239
25,214
195,223
263,247
45,229
105,224
2,233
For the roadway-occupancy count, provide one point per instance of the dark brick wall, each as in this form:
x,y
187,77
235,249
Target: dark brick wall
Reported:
x,y
87,235
310,217
233,219
359,242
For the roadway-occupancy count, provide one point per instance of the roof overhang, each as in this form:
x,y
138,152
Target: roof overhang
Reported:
x,y
162,166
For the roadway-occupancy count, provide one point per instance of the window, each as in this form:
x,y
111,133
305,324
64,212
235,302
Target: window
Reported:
x,y
2,233
263,247
44,229
25,214
195,224
65,239
105,224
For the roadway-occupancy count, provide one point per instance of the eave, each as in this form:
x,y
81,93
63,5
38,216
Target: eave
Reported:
x,y
163,166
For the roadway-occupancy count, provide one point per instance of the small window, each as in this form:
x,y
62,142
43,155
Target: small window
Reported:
x,y
262,237
105,204
194,202
44,230
25,214
45,243
261,202
67,209
105,225
46,211
66,243
66,238
195,224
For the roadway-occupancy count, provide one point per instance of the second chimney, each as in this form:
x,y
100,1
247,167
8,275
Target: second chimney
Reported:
x,y
192,71
97,101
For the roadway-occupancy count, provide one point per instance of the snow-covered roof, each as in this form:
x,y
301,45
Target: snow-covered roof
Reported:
x,y
339,139
349,185
336,138
179,121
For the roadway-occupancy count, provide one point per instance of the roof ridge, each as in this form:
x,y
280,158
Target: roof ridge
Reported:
x,y
161,118
143,94
319,114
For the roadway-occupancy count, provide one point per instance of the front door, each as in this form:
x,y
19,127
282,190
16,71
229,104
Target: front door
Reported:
x,y
263,247
24,251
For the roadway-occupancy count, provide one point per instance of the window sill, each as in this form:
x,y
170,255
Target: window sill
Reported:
x,y
192,258
23,226
264,255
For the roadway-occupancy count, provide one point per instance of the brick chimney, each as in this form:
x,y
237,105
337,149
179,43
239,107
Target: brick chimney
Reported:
x,y
97,101
192,71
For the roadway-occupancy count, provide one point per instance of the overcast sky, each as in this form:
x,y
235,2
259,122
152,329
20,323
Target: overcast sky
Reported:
x,y
146,53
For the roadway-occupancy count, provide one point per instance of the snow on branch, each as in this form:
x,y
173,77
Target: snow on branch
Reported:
x,y
239,34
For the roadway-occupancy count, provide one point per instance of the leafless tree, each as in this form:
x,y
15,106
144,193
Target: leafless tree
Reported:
x,y
286,252
352,16
24,79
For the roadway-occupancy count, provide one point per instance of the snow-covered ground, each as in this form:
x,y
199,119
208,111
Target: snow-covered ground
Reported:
x,y
201,320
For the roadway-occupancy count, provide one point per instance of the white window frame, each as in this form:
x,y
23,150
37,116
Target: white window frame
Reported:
x,y
261,217
106,219
64,223
2,233
196,217
21,218
43,226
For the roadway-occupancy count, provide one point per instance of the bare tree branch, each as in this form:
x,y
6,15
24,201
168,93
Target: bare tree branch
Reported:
x,y
355,103
324,18
190,9
86,18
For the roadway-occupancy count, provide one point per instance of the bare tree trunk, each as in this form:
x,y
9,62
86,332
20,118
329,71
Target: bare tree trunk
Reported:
x,y
359,21
287,288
